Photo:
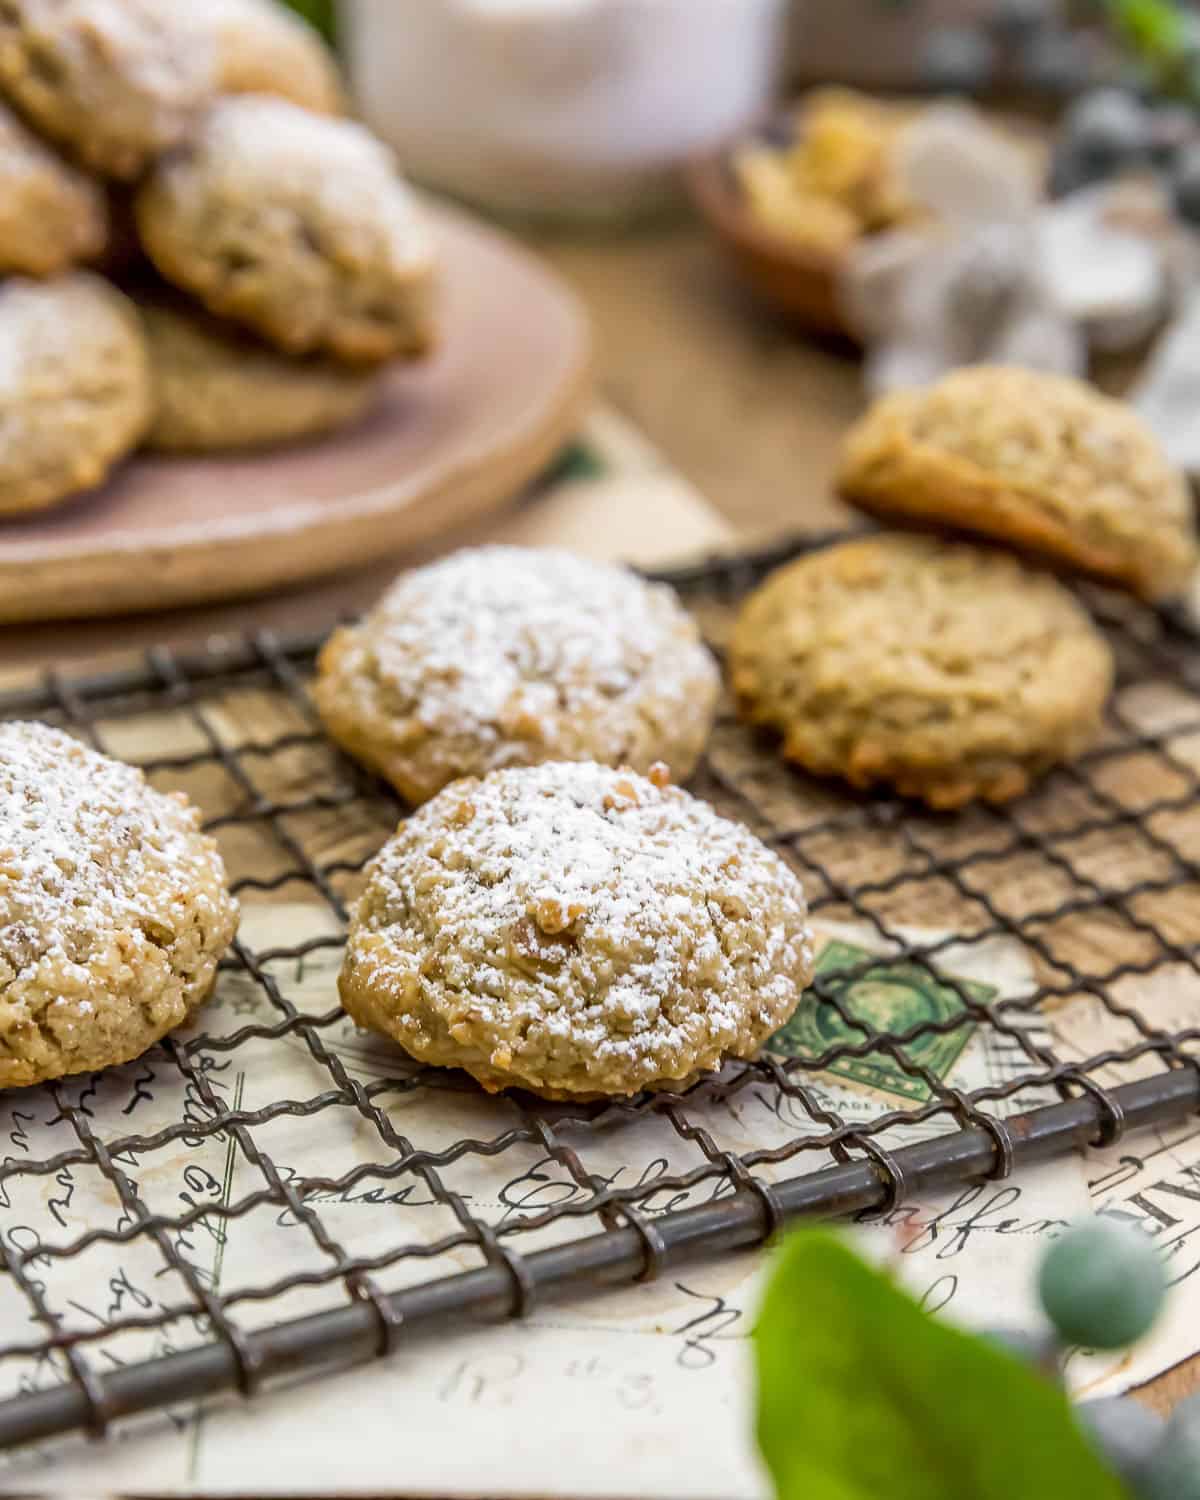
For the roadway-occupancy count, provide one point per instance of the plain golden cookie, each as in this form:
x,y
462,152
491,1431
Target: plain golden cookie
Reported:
x,y
114,910
577,931
944,670
218,388
297,226
115,82
264,48
1043,462
52,216
74,387
504,656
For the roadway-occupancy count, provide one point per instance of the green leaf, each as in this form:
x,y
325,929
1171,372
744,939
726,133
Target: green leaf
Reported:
x,y
1152,27
319,13
861,1394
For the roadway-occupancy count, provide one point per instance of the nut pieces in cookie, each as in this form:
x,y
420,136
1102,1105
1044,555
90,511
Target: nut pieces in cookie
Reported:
x,y
114,910
1041,462
503,656
577,931
947,671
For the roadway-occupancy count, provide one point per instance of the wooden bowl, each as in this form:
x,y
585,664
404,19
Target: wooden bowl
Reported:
x,y
799,282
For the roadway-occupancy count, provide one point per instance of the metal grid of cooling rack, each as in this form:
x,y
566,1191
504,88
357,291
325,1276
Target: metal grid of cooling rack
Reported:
x,y
1092,879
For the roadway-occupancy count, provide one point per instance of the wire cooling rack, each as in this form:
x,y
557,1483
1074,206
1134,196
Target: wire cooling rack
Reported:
x,y
908,1069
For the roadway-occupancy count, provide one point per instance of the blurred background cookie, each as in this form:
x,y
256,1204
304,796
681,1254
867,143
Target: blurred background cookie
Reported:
x,y
51,215
502,656
297,226
837,180
947,671
1040,461
116,82
74,387
217,387
262,48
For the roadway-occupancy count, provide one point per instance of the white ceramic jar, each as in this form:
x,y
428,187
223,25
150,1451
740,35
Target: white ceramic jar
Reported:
x,y
575,108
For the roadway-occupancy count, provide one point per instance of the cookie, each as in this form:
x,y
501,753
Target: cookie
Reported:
x,y
944,670
296,226
52,216
1042,462
114,910
577,931
115,82
505,656
74,387
217,388
263,48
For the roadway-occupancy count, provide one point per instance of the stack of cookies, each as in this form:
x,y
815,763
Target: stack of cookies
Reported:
x,y
198,252
949,670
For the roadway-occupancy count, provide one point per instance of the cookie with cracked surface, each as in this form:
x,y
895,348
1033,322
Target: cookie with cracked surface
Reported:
x,y
1042,462
503,656
577,931
115,82
264,48
52,215
114,910
74,387
297,226
947,671
216,387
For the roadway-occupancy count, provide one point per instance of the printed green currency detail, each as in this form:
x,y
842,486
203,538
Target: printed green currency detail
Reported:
x,y
891,997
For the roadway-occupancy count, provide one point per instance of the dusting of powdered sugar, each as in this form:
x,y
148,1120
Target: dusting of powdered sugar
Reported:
x,y
575,911
494,635
41,324
83,840
159,61
286,159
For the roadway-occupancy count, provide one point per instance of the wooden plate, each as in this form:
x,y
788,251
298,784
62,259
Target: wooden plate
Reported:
x,y
453,437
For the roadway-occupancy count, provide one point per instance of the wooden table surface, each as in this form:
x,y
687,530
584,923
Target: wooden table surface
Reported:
x,y
745,409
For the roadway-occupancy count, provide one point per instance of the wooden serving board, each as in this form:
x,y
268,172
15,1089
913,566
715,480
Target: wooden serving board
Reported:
x,y
451,438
